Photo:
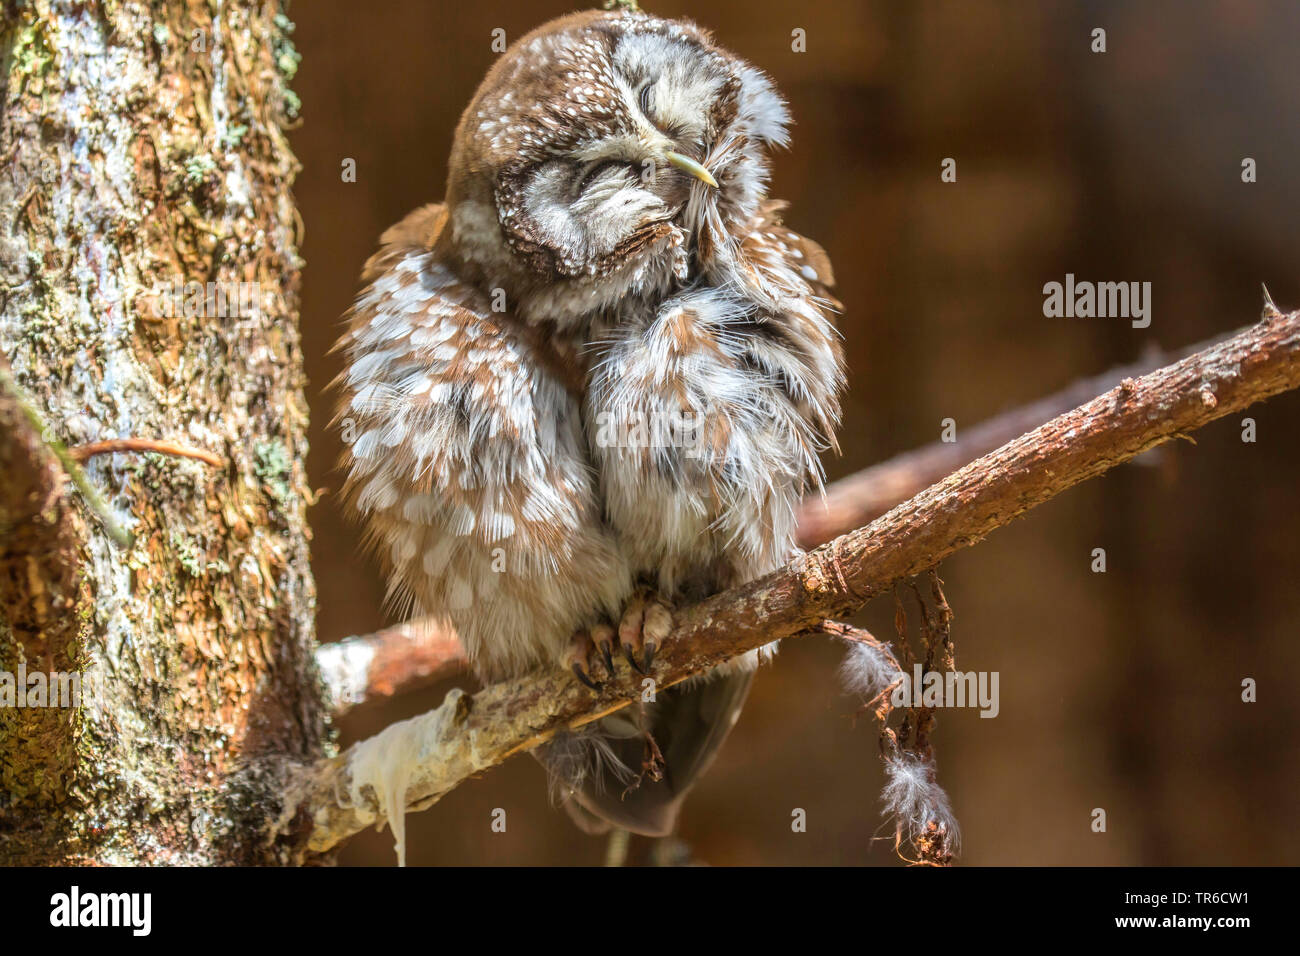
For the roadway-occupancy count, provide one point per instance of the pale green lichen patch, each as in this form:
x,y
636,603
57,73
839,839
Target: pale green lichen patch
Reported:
x,y
188,554
30,56
198,169
274,469
287,59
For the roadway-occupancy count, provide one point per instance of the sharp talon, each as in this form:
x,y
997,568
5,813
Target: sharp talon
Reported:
x,y
627,652
602,635
581,674
649,656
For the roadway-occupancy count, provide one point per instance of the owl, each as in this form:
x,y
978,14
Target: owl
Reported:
x,y
593,384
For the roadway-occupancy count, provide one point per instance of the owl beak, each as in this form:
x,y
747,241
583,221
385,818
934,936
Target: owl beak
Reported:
x,y
691,166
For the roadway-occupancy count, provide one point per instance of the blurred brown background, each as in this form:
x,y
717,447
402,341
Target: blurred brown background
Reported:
x,y
1118,690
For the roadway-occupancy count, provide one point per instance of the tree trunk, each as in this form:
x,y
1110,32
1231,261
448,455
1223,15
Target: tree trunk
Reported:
x,y
143,154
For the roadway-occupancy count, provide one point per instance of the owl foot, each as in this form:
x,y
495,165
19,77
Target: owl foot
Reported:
x,y
645,626
579,660
643,629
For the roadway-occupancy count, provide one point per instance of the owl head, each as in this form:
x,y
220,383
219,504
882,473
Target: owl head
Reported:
x,y
608,154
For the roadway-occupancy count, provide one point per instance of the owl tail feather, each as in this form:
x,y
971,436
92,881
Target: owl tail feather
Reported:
x,y
605,773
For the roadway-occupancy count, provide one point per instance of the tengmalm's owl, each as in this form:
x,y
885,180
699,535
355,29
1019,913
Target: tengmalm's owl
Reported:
x,y
593,383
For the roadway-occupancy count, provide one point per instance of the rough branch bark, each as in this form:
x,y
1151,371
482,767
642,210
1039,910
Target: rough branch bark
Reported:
x,y
413,763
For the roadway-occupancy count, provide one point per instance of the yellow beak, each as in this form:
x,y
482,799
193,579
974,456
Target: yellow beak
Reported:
x,y
691,166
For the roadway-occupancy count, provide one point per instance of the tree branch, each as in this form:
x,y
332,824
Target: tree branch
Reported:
x,y
40,532
398,659
411,764
865,495
434,650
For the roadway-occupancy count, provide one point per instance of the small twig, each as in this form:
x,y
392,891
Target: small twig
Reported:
x,y
912,796
81,453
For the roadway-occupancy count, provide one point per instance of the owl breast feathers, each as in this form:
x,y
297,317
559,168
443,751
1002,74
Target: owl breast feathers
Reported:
x,y
603,365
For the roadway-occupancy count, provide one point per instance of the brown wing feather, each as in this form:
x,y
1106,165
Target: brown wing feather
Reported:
x,y
418,230
467,460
